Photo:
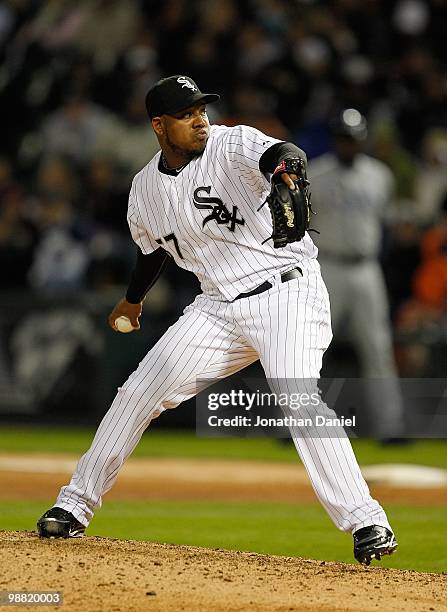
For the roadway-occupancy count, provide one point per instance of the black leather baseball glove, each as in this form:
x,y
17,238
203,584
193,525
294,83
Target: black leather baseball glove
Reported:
x,y
290,208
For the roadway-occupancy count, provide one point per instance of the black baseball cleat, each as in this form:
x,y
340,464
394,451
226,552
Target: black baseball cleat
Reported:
x,y
59,523
372,543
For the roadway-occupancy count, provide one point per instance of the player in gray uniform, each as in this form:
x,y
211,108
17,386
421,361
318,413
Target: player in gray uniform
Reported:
x,y
350,191
199,201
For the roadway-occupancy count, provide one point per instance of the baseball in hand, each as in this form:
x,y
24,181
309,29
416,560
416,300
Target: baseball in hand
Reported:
x,y
124,325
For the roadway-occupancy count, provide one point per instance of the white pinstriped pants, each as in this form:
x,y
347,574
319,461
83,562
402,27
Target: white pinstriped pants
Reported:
x,y
288,328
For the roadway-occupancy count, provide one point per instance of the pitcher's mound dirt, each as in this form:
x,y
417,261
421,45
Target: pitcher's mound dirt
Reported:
x,y
113,575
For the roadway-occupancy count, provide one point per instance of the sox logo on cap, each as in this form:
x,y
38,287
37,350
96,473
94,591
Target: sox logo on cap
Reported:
x,y
186,83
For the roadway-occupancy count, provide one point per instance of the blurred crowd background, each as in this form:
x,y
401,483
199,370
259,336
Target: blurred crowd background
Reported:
x,y
73,76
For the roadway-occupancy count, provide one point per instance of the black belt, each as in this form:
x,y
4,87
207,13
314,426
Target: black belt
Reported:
x,y
345,258
287,276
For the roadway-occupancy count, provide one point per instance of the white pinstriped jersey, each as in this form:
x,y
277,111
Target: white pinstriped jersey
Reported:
x,y
206,217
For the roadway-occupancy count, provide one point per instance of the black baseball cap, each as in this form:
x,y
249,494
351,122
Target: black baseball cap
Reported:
x,y
173,94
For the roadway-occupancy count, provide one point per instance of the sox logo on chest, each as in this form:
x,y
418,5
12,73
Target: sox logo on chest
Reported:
x,y
219,211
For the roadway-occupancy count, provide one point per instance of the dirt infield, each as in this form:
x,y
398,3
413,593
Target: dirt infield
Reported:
x,y
112,575
41,476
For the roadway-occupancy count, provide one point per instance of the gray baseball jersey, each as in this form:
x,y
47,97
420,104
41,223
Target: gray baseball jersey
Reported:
x,y
350,203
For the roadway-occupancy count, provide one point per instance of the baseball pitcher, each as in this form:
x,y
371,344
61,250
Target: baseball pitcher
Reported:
x,y
231,205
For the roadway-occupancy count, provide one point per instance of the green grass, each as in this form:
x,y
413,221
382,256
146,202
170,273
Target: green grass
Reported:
x,y
280,529
160,443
